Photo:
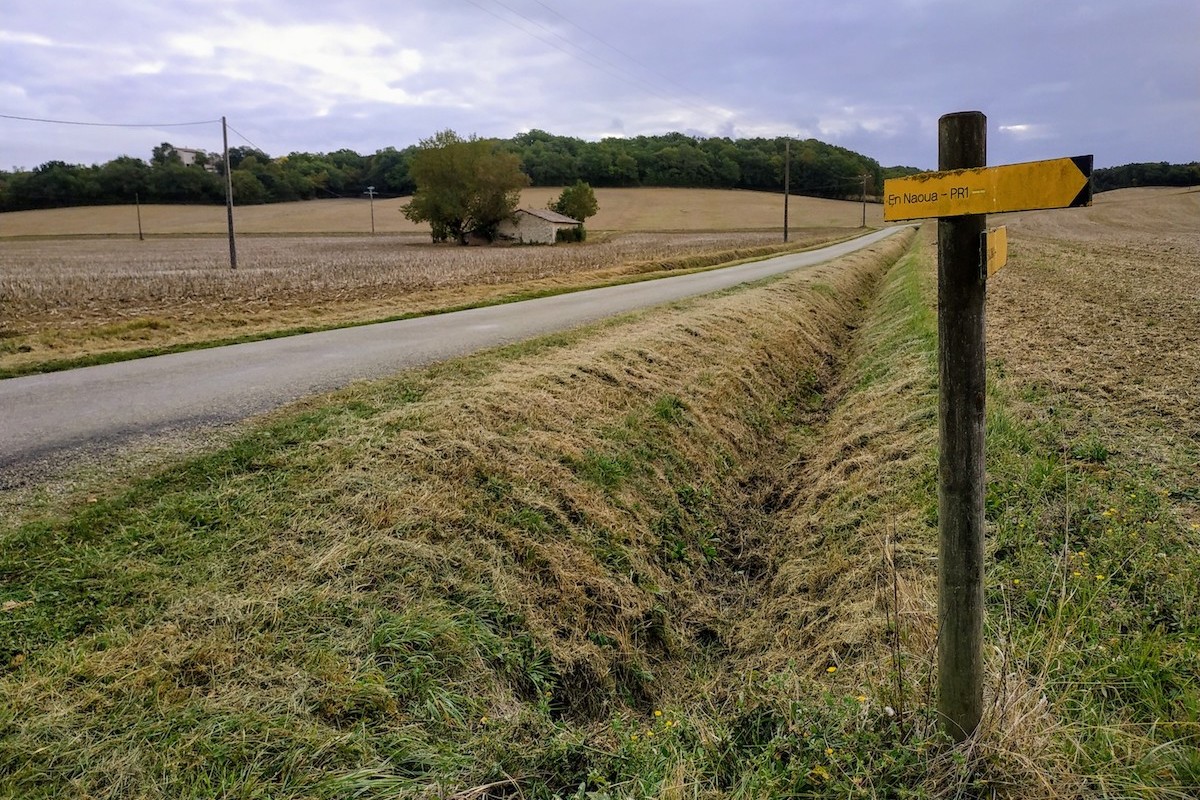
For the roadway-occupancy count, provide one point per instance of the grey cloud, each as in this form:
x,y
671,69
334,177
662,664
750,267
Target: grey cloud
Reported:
x,y
1109,77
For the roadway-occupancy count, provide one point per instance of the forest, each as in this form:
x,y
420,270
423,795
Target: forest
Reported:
x,y
674,159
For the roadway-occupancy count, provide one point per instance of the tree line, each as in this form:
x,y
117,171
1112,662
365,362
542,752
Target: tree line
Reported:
x,y
1146,174
672,159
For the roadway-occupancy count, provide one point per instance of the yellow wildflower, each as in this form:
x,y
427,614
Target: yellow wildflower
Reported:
x,y
831,670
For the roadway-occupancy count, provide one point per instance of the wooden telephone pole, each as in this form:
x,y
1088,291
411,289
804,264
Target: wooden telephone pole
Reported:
x,y
787,174
229,195
370,192
864,199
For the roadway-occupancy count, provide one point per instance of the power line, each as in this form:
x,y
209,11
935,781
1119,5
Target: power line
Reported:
x,y
112,124
239,133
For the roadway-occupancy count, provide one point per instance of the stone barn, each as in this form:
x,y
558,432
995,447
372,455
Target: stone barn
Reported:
x,y
535,225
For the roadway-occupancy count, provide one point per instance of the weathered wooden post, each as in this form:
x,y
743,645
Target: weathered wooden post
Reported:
x,y
962,291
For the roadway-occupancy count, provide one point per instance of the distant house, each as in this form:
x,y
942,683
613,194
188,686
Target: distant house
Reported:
x,y
191,156
535,225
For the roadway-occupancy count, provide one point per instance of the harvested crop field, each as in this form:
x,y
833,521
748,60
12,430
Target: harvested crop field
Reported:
x,y
1104,314
627,210
65,298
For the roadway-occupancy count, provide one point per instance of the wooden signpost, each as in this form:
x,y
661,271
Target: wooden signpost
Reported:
x,y
961,195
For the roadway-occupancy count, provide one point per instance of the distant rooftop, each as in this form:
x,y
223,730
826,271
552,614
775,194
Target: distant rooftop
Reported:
x,y
550,216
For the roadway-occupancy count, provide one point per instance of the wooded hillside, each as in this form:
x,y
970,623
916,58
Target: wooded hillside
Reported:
x,y
673,159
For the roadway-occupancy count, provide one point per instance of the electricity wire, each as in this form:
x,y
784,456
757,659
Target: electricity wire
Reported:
x,y
239,133
112,124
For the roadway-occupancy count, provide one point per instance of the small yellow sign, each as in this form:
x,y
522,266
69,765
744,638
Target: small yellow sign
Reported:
x,y
1057,183
995,249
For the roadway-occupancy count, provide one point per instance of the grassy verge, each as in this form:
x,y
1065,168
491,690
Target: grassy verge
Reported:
x,y
482,572
117,342
688,554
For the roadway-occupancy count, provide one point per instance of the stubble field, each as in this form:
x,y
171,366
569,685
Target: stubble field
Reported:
x,y
627,210
1103,318
71,297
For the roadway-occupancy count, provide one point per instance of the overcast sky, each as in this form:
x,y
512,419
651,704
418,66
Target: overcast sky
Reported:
x,y
1117,78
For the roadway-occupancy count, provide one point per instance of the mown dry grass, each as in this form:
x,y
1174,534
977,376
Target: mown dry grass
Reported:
x,y
469,576
68,298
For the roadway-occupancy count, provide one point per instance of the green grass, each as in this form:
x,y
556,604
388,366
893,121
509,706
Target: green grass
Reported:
x,y
360,596
365,598
1093,582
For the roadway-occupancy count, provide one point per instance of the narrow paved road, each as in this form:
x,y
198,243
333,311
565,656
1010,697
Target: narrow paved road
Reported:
x,y
45,417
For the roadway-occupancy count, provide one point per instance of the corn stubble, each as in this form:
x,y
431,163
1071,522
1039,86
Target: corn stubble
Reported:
x,y
64,298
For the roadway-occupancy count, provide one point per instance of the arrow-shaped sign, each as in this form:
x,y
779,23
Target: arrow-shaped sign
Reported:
x,y
1057,183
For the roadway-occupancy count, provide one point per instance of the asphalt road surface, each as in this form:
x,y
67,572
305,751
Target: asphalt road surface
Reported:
x,y
47,418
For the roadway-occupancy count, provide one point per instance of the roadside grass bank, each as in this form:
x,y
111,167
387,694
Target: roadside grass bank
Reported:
x,y
43,344
682,554
1093,623
486,572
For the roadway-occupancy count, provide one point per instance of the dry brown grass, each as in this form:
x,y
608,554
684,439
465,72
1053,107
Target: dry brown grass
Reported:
x,y
620,210
853,546
574,487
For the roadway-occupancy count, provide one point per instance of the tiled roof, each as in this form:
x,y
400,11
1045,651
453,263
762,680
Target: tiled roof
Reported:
x,y
550,216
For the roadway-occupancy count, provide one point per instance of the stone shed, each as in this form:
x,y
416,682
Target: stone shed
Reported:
x,y
535,225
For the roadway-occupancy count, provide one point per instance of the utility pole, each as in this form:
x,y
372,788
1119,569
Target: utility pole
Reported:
x,y
137,203
864,200
370,192
229,195
787,175
962,292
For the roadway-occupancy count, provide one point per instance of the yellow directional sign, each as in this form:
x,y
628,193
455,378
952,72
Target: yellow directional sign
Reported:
x,y
995,249
1057,183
